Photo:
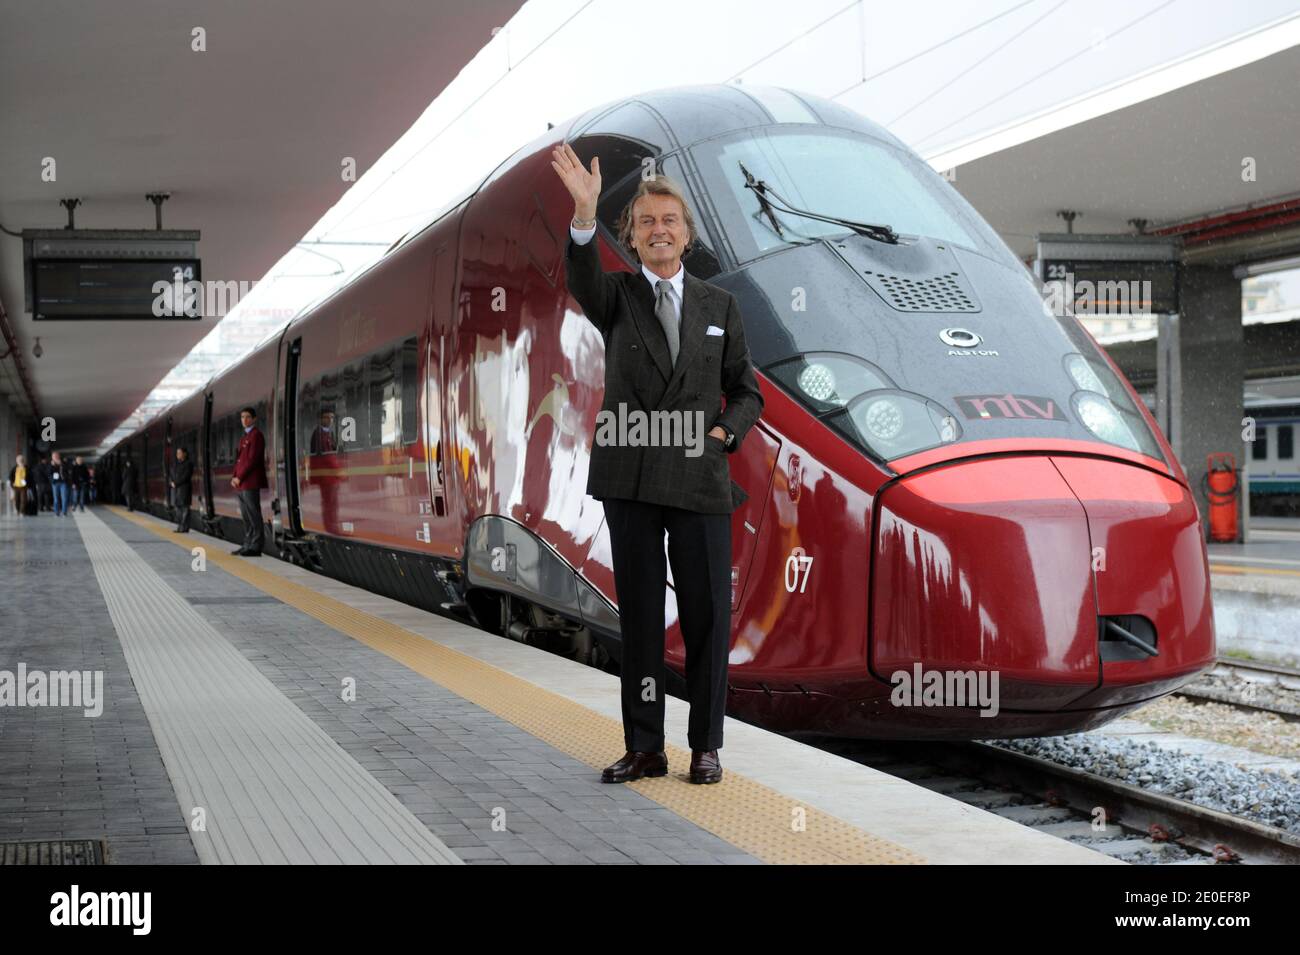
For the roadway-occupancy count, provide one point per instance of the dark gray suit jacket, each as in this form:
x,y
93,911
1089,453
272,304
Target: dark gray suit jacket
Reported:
x,y
638,376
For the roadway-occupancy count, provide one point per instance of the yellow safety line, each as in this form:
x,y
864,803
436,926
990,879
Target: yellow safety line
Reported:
x,y
1241,570
751,816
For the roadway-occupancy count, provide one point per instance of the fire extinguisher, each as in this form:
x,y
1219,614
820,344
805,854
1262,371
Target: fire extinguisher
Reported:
x,y
1221,485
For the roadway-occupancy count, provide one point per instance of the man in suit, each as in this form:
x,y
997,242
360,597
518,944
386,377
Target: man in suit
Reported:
x,y
80,482
673,343
182,492
249,479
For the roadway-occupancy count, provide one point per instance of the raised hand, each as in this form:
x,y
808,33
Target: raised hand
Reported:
x,y
584,186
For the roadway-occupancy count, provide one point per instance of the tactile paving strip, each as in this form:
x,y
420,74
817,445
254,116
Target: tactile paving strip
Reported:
x,y
753,817
272,785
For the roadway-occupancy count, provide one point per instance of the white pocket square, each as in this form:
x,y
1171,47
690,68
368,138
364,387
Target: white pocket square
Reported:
x,y
713,330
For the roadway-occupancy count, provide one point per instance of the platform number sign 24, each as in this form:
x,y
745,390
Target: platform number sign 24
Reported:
x,y
798,568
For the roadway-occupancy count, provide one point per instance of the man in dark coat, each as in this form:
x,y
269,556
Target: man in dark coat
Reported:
x,y
128,485
80,483
44,489
182,491
674,345
249,479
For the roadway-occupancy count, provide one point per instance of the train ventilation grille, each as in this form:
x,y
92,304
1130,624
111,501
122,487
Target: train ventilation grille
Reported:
x,y
940,293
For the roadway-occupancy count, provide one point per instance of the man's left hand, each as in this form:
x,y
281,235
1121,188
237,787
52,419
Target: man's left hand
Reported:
x,y
717,432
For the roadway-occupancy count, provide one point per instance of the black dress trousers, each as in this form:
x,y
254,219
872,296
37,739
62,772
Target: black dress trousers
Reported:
x,y
699,548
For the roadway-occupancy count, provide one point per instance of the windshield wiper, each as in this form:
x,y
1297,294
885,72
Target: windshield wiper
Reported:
x,y
881,233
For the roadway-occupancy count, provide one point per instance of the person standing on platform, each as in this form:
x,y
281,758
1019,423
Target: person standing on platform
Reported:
x,y
18,481
182,492
80,481
249,479
673,343
128,485
44,496
60,484
92,485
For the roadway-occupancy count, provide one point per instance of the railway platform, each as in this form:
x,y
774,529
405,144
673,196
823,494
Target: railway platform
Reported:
x,y
1257,591
171,703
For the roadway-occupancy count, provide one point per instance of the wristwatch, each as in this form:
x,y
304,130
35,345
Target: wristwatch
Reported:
x,y
583,223
730,439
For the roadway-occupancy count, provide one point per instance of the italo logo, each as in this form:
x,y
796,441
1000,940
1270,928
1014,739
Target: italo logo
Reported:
x,y
1025,407
75,907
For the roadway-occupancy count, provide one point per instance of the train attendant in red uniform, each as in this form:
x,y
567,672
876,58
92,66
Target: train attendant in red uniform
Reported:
x,y
673,343
249,479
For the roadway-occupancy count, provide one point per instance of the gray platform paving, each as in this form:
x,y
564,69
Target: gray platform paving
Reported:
x,y
64,775
452,765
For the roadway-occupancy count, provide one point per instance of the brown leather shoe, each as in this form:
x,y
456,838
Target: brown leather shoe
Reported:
x,y
705,766
634,765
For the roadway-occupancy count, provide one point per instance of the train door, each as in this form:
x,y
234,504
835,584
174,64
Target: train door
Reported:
x,y
441,528
287,453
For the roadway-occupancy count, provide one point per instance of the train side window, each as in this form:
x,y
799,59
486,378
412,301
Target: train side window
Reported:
x,y
1285,443
331,399
356,405
410,389
1259,447
309,422
384,392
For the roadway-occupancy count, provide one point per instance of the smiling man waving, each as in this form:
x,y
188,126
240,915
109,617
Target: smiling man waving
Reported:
x,y
675,344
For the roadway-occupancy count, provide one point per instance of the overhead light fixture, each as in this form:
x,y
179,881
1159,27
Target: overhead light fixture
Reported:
x,y
1251,269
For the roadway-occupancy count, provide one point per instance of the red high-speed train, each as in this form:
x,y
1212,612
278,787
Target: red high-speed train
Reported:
x,y
945,473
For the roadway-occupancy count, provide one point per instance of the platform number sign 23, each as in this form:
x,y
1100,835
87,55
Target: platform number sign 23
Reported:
x,y
798,568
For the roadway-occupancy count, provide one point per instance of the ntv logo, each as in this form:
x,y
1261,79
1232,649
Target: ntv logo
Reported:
x,y
103,908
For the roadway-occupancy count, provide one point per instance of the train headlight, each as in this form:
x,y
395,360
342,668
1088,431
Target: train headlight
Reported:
x,y
1100,417
817,381
1084,375
827,381
884,419
892,424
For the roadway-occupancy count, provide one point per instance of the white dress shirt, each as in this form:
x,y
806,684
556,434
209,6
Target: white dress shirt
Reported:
x,y
583,236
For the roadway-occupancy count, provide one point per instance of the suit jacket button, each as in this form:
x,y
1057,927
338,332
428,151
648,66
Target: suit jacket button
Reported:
x,y
708,358
634,347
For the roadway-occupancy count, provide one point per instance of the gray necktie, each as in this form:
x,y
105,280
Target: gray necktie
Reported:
x,y
664,312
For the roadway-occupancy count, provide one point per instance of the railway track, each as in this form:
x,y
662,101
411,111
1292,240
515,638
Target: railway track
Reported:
x,y
1249,685
1118,819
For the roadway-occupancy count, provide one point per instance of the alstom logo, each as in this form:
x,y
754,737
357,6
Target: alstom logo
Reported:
x,y
1028,407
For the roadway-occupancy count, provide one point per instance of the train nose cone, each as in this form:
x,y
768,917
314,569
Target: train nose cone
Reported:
x,y
987,565
1014,565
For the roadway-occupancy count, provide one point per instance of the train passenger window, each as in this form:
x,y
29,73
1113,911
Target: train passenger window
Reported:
x,y
1285,443
356,406
1259,447
385,389
410,389
331,399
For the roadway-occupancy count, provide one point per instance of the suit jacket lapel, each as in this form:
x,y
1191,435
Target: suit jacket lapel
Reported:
x,y
652,336
695,319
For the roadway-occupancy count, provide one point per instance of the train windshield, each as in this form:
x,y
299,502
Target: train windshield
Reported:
x,y
833,172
